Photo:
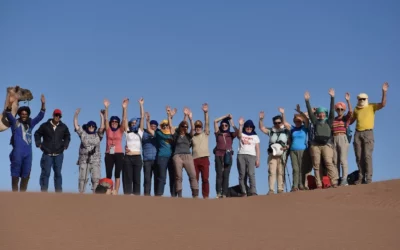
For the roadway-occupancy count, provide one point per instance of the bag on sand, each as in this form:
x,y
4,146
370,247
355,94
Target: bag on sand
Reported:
x,y
326,182
312,182
352,178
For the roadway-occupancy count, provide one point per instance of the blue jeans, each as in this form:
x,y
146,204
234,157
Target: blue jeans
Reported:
x,y
164,164
46,163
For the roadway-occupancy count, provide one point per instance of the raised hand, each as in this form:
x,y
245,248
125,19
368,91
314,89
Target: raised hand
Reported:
x,y
141,101
347,96
385,86
281,110
241,121
173,112
77,111
230,116
298,108
147,115
261,115
307,95
168,109
190,115
102,112
106,103
42,99
125,102
332,92
204,107
186,111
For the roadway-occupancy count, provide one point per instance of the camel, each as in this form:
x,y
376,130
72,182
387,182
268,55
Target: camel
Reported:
x,y
22,95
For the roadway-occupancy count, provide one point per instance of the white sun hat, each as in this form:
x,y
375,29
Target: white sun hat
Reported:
x,y
277,149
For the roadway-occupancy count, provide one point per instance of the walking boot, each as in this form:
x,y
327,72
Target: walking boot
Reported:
x,y
14,183
195,193
24,184
179,193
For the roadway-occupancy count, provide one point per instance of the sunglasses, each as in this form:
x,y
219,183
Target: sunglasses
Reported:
x,y
164,125
277,123
339,109
91,126
224,125
362,99
198,127
184,126
57,115
114,121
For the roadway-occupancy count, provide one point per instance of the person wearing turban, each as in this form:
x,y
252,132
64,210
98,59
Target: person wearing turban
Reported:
x,y
364,116
340,138
322,145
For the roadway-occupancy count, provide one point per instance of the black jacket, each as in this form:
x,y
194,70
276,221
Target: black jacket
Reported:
x,y
54,141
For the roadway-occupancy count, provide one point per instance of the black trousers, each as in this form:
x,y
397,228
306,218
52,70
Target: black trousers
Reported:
x,y
132,171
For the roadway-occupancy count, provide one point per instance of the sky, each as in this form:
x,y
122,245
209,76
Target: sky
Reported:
x,y
240,57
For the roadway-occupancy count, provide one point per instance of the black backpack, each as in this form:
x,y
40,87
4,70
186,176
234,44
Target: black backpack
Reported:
x,y
352,178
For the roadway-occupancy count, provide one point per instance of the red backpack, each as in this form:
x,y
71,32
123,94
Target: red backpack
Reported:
x,y
326,182
312,183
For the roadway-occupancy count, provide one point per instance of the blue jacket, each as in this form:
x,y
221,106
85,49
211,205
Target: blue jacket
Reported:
x,y
22,133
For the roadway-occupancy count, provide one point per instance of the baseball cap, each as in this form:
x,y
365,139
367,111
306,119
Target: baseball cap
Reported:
x,y
57,112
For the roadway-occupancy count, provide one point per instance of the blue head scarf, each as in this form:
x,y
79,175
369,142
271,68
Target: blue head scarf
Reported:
x,y
154,122
226,120
115,118
249,123
87,125
135,128
322,110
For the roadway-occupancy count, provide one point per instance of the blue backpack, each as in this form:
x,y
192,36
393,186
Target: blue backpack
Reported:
x,y
349,132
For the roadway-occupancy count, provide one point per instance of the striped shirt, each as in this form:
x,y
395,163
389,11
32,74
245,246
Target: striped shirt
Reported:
x,y
340,125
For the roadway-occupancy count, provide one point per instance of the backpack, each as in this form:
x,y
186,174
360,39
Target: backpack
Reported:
x,y
352,178
326,182
285,131
312,182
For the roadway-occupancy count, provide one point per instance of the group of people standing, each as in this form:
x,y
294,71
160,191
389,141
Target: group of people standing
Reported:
x,y
317,140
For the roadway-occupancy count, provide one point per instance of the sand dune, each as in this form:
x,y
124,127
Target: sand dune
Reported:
x,y
354,217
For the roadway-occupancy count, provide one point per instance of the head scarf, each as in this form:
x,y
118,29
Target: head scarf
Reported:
x,y
87,125
249,123
322,110
165,131
341,105
154,122
135,128
226,120
115,118
362,104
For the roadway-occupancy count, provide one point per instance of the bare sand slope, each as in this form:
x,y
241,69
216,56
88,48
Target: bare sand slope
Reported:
x,y
354,217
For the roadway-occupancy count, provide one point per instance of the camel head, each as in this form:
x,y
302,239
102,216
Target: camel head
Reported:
x,y
23,94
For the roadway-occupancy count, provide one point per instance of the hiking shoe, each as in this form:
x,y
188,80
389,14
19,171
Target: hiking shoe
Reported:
x,y
344,183
280,191
271,192
243,195
294,190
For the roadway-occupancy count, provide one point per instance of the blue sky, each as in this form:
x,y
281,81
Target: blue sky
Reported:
x,y
239,56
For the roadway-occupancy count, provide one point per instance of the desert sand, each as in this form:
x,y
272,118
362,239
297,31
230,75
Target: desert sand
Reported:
x,y
352,217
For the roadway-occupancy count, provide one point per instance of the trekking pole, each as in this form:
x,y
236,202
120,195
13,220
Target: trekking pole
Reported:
x,y
284,171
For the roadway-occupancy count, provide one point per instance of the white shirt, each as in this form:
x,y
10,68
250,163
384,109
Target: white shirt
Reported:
x,y
134,141
247,144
